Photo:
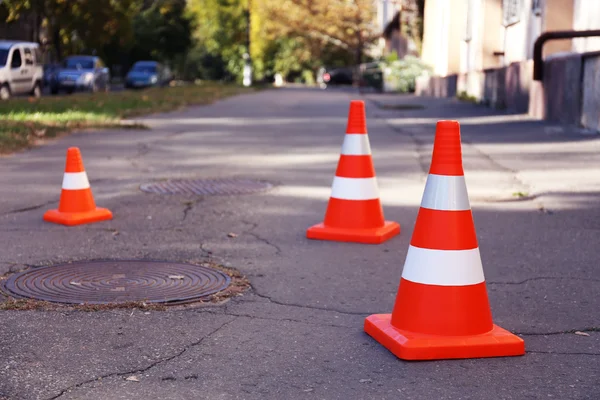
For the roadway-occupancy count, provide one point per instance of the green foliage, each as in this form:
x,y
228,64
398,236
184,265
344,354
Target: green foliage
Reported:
x,y
308,77
119,31
201,64
464,96
23,121
401,75
84,25
162,31
222,29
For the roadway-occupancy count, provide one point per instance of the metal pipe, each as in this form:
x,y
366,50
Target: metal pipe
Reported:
x,y
538,62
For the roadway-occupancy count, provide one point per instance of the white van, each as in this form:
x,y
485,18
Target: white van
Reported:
x,y
21,70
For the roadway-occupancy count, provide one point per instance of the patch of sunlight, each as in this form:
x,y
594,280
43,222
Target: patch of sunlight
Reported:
x,y
401,194
56,117
488,119
257,121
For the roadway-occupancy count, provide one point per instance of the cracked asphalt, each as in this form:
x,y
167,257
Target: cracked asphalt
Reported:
x,y
297,333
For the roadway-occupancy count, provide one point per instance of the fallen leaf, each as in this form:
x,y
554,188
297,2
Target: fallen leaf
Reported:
x,y
308,390
582,333
176,277
132,379
366,381
232,235
149,217
79,284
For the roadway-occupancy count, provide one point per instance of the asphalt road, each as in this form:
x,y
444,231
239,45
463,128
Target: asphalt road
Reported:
x,y
297,334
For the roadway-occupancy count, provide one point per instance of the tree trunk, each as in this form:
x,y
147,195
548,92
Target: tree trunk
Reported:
x,y
56,42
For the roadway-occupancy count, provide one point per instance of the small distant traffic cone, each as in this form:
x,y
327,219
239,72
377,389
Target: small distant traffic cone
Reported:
x,y
76,204
354,212
442,309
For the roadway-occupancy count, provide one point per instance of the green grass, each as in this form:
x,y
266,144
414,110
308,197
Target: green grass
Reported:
x,y
24,122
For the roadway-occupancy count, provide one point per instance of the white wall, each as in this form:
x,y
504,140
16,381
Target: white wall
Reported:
x,y
586,16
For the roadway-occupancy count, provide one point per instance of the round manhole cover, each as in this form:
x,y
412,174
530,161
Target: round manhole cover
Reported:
x,y
106,282
206,187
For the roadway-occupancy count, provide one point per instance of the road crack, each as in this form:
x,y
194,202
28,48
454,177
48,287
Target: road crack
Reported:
x,y
30,208
189,205
539,278
260,238
233,314
563,353
306,306
570,331
141,370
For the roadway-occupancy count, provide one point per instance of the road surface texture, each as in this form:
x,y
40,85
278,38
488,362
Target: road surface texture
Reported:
x,y
298,333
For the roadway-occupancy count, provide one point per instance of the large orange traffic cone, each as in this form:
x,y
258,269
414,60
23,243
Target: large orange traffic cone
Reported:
x,y
354,212
442,308
76,204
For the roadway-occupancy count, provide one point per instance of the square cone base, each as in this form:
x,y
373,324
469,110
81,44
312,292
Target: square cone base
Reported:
x,y
417,346
71,219
369,236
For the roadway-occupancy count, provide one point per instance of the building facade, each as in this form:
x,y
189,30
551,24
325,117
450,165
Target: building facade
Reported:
x,y
484,49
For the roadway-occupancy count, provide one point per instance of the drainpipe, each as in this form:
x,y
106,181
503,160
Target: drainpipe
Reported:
x,y
538,62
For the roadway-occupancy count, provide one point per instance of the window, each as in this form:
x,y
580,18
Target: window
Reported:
x,y
38,56
511,11
16,59
3,57
28,56
78,63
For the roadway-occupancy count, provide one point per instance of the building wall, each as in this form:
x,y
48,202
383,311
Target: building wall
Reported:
x,y
442,35
435,39
493,37
586,16
558,17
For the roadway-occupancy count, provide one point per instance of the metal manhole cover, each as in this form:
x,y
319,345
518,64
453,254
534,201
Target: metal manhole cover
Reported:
x,y
206,186
105,282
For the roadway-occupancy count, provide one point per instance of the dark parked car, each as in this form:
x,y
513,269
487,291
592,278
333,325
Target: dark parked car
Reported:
x,y
81,73
146,74
338,76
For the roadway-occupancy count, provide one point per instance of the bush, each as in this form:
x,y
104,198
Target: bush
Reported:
x,y
400,75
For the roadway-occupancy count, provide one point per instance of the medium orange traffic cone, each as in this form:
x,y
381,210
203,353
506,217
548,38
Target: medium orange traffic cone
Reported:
x,y
442,308
354,212
76,204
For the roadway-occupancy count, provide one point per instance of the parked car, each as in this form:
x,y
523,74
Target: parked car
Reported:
x,y
81,73
21,69
50,71
332,77
146,74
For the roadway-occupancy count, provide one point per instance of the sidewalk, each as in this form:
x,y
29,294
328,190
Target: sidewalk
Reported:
x,y
298,332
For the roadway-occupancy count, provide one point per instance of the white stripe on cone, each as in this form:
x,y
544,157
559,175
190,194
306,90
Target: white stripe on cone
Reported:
x,y
356,145
443,267
354,188
443,192
75,181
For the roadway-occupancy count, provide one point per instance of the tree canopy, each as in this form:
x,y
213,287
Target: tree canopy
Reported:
x,y
209,38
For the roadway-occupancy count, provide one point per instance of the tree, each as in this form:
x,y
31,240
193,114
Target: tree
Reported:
x,y
345,24
222,29
79,25
162,31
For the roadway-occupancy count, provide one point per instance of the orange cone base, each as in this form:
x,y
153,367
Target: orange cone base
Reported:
x,y
369,236
70,219
418,346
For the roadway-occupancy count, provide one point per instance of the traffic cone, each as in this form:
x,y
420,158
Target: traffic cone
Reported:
x,y
76,204
442,309
354,212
